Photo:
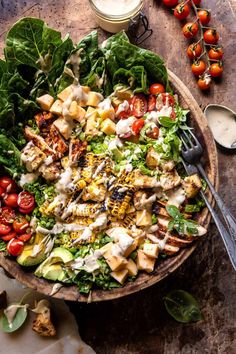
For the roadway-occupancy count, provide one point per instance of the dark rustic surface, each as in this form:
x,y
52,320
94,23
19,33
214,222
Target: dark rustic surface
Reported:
x,y
138,324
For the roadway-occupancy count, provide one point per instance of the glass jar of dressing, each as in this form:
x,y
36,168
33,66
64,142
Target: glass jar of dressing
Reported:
x,y
116,15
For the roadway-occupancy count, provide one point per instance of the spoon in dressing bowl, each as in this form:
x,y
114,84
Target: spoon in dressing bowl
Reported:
x,y
222,122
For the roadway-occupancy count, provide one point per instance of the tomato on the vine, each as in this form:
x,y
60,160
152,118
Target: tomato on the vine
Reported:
x,y
151,103
190,29
204,16
216,69
20,224
138,105
210,36
216,53
196,2
9,236
7,215
11,200
194,50
204,83
198,67
15,247
137,126
8,184
170,3
4,229
156,88
181,11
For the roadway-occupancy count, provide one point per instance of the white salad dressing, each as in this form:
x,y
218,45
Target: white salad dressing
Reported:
x,y
175,196
28,178
117,8
123,107
10,312
124,126
222,123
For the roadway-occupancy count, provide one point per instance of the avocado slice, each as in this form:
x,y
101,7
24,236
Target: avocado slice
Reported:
x,y
25,258
117,154
53,272
62,253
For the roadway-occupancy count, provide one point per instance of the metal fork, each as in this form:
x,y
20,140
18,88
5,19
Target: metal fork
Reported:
x,y
192,151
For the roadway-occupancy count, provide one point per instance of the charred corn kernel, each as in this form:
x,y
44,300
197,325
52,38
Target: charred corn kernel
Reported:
x,y
81,184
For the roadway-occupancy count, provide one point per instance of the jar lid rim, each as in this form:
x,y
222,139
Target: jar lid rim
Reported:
x,y
116,17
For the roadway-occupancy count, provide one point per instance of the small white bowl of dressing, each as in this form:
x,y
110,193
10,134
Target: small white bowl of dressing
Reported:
x,y
222,122
115,15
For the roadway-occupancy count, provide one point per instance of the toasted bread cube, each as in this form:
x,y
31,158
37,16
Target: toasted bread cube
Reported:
x,y
132,268
107,113
120,275
76,112
86,89
92,125
108,127
93,99
56,107
65,127
143,218
192,184
115,262
150,249
45,102
32,156
130,249
63,95
144,262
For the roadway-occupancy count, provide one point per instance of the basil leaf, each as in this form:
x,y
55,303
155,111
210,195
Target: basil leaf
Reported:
x,y
17,322
173,211
182,306
166,122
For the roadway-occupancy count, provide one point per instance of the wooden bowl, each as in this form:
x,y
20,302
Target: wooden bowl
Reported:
x,y
163,267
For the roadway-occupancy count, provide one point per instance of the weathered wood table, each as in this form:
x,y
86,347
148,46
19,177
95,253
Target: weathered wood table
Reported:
x,y
139,324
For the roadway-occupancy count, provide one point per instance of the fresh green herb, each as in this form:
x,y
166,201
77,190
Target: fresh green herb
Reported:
x,y
182,306
97,145
41,191
178,123
180,224
154,219
3,246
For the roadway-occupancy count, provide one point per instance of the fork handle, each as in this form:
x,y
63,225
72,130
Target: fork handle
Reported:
x,y
229,218
229,241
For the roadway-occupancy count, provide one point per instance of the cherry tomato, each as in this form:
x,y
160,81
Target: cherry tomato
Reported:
x,y
151,103
168,99
7,215
8,184
181,11
24,237
2,192
204,17
155,89
9,236
154,133
123,114
139,105
170,3
216,53
190,29
11,200
194,50
25,200
4,229
196,2
216,69
20,225
198,67
137,126
29,210
173,115
15,247
204,83
211,36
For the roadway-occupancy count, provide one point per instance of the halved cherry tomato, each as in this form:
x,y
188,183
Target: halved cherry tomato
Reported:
x,y
4,229
198,67
151,103
168,99
9,236
154,133
20,225
123,114
156,88
24,237
181,11
25,200
216,69
204,83
204,16
11,200
139,105
194,50
170,3
7,215
137,126
190,29
173,115
15,247
8,184
210,36
29,210
216,53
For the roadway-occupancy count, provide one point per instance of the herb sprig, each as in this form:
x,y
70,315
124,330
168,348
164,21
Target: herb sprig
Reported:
x,y
179,223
